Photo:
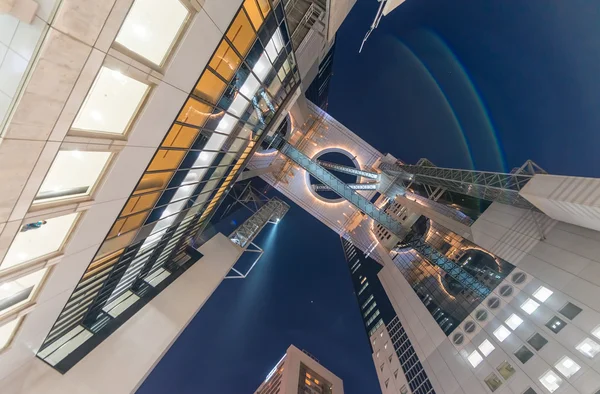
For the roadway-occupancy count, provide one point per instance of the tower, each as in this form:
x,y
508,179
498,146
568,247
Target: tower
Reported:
x,y
461,276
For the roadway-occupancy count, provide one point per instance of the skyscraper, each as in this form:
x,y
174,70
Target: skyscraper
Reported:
x,y
298,372
128,122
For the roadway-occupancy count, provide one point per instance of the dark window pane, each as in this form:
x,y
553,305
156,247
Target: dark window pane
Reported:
x,y
537,341
570,311
523,354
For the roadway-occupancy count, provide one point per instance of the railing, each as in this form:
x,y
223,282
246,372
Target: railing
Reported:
x,y
353,186
339,187
348,170
272,211
489,186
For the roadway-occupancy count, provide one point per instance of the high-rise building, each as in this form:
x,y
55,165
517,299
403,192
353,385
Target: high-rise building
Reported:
x,y
467,281
298,372
125,124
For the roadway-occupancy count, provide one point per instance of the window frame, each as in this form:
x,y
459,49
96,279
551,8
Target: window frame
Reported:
x,y
113,66
18,308
192,11
89,196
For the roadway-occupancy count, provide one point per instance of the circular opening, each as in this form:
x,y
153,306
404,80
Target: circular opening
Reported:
x,y
506,291
469,326
458,339
519,277
337,157
493,302
481,315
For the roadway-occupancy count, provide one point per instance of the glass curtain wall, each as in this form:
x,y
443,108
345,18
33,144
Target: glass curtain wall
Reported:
x,y
248,78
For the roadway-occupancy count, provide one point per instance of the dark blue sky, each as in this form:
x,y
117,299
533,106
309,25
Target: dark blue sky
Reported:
x,y
464,83
534,64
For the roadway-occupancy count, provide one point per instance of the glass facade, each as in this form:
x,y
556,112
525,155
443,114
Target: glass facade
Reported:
x,y
249,77
448,300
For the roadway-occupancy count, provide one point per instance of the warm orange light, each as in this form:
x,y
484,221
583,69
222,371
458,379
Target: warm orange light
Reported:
x,y
439,279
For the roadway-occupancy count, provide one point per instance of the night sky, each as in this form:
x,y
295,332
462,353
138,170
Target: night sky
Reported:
x,y
464,83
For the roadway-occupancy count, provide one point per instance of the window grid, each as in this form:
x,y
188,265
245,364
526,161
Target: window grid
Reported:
x,y
411,366
448,301
181,140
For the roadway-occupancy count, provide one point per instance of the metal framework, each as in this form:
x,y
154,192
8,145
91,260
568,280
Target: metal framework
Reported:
x,y
239,275
353,186
271,212
347,170
380,217
453,269
247,196
490,186
339,187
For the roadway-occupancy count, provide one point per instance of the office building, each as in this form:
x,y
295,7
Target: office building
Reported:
x,y
125,124
298,372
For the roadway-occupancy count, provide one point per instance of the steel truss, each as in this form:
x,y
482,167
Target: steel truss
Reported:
x,y
365,206
353,186
271,212
239,275
347,170
490,186
339,187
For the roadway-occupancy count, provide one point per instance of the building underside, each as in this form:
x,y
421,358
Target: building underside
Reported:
x,y
147,115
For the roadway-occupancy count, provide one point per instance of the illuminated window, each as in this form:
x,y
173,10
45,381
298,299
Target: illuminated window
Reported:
x,y
241,34
210,87
542,293
567,367
588,347
72,174
514,321
37,239
254,13
166,159
506,370
551,381
7,332
530,306
555,324
493,382
16,292
475,358
501,333
194,112
264,6
180,137
486,348
152,27
111,103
